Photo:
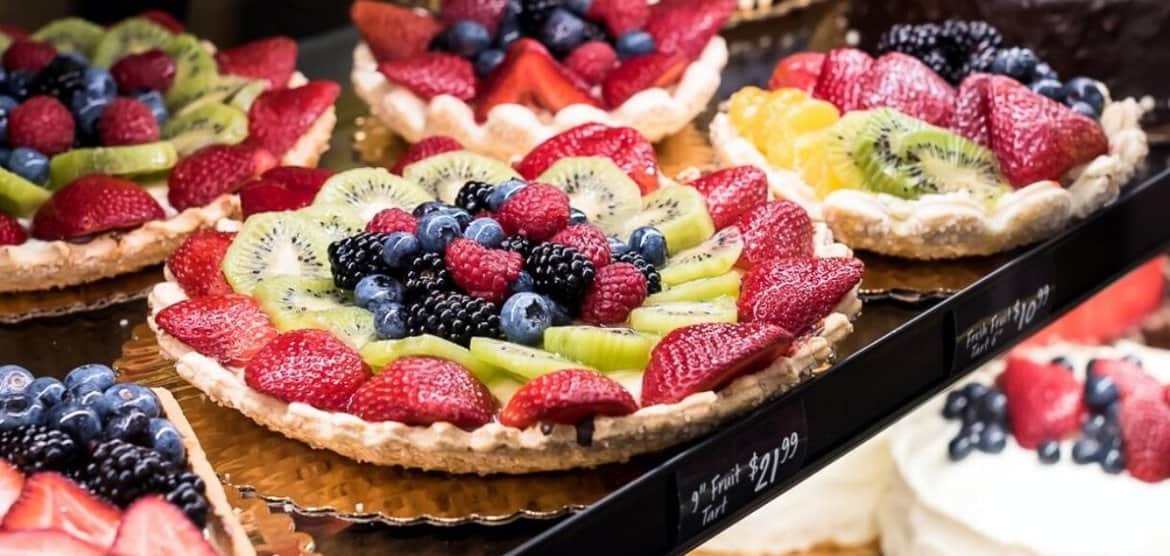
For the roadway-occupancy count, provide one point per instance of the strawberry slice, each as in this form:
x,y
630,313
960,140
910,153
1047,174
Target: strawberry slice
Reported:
x,y
424,149
156,527
796,293
797,71
485,12
215,170
1130,378
841,81
273,59
970,116
196,264
640,73
530,76
46,542
277,119
684,27
11,232
568,397
1145,433
907,85
419,391
434,74
393,32
704,357
50,501
11,483
282,188
228,328
1044,401
94,204
775,229
307,366
731,192
623,145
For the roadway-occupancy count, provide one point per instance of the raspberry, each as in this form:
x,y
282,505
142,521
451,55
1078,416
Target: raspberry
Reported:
x,y
536,212
11,233
592,61
127,121
41,123
617,289
587,240
153,70
482,272
28,55
392,220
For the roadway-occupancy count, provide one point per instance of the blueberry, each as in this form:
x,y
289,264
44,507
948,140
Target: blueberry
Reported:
x,y
974,391
154,101
1094,426
7,104
562,32
1086,450
524,283
461,216
576,216
1063,362
488,60
165,439
973,430
1086,90
485,231
428,207
20,409
650,243
87,111
1112,411
992,407
1017,63
560,315
509,28
1113,462
1045,71
955,404
634,43
959,447
1048,451
993,439
29,164
617,247
99,376
18,82
5,152
579,7
1050,88
1100,391
436,230
130,427
14,379
399,249
99,84
390,321
524,318
76,57
503,192
376,289
47,390
467,38
1084,109
126,397
84,394
78,421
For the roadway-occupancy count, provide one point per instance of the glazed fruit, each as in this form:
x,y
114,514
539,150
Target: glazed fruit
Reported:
x,y
568,397
231,328
707,356
308,366
796,293
424,390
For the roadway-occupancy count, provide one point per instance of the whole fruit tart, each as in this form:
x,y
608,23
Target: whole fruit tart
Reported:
x,y
501,76
116,143
465,319
922,155
90,466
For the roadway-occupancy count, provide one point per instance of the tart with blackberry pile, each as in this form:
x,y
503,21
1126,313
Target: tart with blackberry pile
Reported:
x,y
90,466
948,144
501,76
463,318
116,143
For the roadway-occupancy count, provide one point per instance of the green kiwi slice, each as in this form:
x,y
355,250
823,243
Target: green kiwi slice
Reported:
x,y
276,244
378,355
605,349
597,187
195,71
442,176
128,160
520,361
131,36
247,94
71,34
661,319
679,212
368,191
337,220
713,257
935,160
215,91
18,196
209,124
287,299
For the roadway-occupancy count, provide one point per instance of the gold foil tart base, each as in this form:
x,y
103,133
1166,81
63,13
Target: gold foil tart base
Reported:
x,y
19,306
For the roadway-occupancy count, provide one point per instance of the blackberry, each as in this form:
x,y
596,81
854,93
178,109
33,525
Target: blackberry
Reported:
x,y
653,279
35,448
971,38
595,32
426,276
915,40
186,490
453,316
981,62
122,473
472,197
356,257
937,61
561,272
63,77
519,244
534,13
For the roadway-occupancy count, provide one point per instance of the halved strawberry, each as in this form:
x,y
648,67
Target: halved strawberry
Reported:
x,y
420,391
11,232
484,12
619,16
970,116
530,76
684,27
307,366
1145,432
393,32
94,204
45,542
50,501
433,74
196,263
299,178
154,526
775,229
568,396
731,192
796,293
273,59
798,71
840,81
1044,401
228,328
705,357
282,188
905,84
623,145
426,148
215,170
277,119
640,73
11,483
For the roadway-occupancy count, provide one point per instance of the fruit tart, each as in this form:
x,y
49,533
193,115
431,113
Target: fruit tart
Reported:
x,y
501,76
116,143
919,155
91,466
466,319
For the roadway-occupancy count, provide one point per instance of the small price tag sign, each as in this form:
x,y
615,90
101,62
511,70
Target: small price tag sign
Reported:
x,y
714,487
982,327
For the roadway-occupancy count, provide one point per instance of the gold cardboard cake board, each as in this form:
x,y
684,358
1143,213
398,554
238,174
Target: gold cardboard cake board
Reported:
x,y
20,306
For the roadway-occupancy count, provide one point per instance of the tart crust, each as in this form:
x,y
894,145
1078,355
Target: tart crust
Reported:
x,y
954,225
495,448
511,130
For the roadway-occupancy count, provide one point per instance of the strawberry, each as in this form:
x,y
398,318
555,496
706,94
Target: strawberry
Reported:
x,y
731,192
154,526
419,391
684,27
27,54
196,264
482,272
970,116
434,74
1130,378
775,229
127,121
13,32
1145,433
485,12
164,20
797,71
41,123
278,118
50,501
299,178
229,328
587,239
214,170
392,220
536,212
796,293
393,32
1166,394
273,59
640,73
623,145
568,397
431,146
619,16
152,70
907,85
841,80
530,76
307,366
704,357
92,205
1044,401
592,61
265,195
45,542
616,290
11,483
11,233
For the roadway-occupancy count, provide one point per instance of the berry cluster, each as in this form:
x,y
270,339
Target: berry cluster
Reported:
x,y
983,411
1101,440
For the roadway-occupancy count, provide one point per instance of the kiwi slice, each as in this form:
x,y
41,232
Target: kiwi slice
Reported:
x,y
934,160
703,289
371,190
128,160
18,196
711,258
210,124
275,244
597,187
605,349
679,212
660,319
442,176
380,354
352,325
131,36
71,34
288,299
521,361
246,95
217,91
339,221
873,150
839,158
196,72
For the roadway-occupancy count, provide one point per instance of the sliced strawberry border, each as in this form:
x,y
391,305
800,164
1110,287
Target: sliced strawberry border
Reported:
x,y
953,225
495,448
513,130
